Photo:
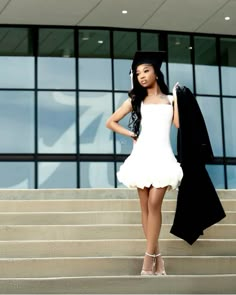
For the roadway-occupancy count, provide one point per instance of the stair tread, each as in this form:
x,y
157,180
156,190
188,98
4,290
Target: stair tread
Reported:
x,y
58,241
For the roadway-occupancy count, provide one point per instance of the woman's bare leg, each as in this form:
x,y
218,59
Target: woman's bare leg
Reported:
x,y
155,200
150,202
143,199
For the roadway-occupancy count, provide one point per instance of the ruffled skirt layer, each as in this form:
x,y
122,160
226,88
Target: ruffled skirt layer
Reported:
x,y
140,173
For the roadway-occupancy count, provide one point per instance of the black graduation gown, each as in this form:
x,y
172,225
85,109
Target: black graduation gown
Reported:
x,y
198,205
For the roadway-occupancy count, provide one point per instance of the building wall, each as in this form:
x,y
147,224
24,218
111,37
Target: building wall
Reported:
x,y
58,85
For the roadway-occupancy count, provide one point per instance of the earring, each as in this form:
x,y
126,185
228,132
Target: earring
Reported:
x,y
156,78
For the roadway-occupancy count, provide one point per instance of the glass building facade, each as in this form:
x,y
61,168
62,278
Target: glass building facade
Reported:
x,y
58,86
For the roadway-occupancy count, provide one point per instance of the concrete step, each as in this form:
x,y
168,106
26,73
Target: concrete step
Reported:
x,y
89,205
106,193
119,247
105,217
171,284
112,266
97,232
90,241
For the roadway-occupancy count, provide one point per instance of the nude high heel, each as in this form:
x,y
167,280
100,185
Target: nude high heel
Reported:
x,y
150,272
163,272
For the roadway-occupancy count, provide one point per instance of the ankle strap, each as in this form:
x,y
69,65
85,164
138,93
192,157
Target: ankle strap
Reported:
x,y
150,255
158,254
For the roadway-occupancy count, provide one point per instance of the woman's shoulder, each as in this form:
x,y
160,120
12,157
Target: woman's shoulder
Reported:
x,y
170,98
127,104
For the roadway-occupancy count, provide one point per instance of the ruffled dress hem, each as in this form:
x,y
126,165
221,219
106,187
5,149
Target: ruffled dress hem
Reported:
x,y
172,182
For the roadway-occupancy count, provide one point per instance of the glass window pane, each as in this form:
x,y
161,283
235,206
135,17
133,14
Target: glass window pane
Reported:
x,y
16,72
150,41
17,175
216,173
95,73
125,46
95,60
56,73
180,67
57,175
94,43
56,42
56,62
121,72
123,143
94,110
96,174
56,122
228,65
211,111
229,105
231,175
16,58
17,121
206,67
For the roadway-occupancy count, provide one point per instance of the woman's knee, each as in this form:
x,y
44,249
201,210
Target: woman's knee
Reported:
x,y
154,204
143,198
155,199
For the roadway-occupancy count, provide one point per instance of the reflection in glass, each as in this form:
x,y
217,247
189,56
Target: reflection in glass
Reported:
x,y
16,41
56,42
95,73
180,67
125,46
206,68
94,110
95,60
56,73
121,74
231,175
124,144
94,43
229,106
96,174
16,58
210,108
56,122
216,173
149,41
17,175
16,72
57,175
228,65
56,62
17,122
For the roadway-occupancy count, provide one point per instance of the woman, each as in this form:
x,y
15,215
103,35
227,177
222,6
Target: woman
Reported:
x,y
151,167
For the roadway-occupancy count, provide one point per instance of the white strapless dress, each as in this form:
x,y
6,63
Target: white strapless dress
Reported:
x,y
152,161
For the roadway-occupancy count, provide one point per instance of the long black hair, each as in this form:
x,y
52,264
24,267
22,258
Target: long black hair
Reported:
x,y
137,95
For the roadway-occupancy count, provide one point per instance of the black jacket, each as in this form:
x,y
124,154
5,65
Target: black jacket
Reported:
x,y
198,205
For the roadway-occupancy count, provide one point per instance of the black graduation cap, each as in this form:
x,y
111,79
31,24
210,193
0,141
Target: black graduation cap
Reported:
x,y
148,57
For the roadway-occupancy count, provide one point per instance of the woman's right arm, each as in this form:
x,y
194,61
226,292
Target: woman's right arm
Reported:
x,y
113,122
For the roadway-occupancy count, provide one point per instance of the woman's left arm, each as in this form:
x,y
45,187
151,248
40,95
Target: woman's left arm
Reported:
x,y
175,107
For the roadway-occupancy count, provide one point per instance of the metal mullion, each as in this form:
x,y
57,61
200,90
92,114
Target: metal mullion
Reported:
x,y
192,56
113,104
221,109
35,51
76,48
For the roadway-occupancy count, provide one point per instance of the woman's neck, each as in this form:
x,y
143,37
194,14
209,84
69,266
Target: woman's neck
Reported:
x,y
155,91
